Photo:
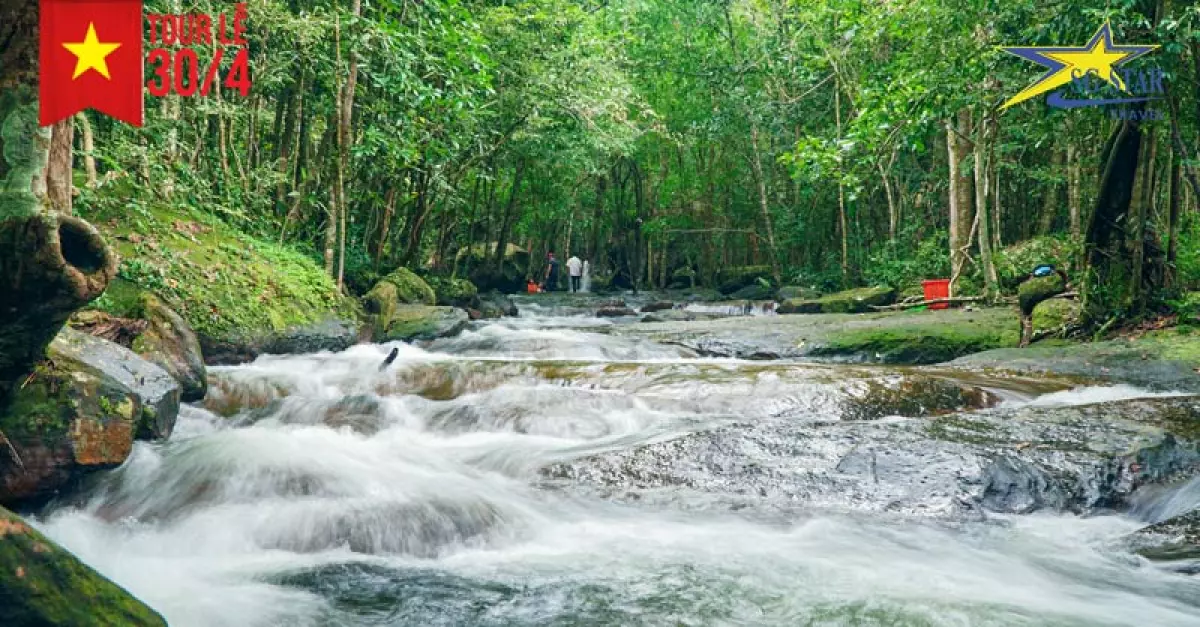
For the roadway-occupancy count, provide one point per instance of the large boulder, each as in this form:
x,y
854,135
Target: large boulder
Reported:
x,y
756,291
476,263
78,412
455,292
169,343
422,322
796,292
497,305
959,465
43,584
858,300
330,334
402,286
732,279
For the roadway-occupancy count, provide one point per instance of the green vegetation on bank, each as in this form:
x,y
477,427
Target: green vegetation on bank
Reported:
x,y
222,281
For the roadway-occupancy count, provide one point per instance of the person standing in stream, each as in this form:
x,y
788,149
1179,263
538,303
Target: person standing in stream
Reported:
x,y
550,282
575,269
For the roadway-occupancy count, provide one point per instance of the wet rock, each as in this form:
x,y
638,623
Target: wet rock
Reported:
x,y
497,305
961,465
850,301
1174,542
331,334
401,286
170,344
80,412
421,322
43,584
614,312
659,305
158,334
669,315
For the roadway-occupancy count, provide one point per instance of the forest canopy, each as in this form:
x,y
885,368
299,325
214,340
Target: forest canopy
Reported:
x,y
838,143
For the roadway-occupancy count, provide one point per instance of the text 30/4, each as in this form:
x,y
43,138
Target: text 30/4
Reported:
x,y
179,72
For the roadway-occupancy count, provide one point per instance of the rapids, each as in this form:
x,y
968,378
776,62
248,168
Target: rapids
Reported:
x,y
317,490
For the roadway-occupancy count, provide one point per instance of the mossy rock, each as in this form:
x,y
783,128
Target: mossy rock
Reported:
x,y
455,292
927,338
476,264
796,292
850,301
1056,313
754,292
730,280
423,322
1014,263
410,288
1037,290
80,411
169,343
43,584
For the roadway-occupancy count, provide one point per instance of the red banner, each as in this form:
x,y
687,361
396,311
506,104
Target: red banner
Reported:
x,y
91,57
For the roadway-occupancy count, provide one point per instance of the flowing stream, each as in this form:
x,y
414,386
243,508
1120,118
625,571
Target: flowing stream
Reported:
x,y
318,490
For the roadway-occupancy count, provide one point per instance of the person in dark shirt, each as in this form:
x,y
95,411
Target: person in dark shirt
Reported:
x,y
551,279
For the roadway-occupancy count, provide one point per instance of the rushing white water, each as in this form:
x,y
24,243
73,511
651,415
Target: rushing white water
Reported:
x,y
336,494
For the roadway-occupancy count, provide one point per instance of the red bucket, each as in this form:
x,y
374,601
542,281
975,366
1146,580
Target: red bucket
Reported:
x,y
935,289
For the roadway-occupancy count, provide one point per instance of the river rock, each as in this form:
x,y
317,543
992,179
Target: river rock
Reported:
x,y
169,343
850,301
1175,542
614,312
477,263
421,322
79,412
962,465
730,280
43,584
754,292
331,334
497,305
790,292
659,305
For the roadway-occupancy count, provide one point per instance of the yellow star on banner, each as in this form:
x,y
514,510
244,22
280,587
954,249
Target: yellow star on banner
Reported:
x,y
1099,57
90,53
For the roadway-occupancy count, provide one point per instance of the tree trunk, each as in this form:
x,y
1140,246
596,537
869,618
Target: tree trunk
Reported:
x,y
961,196
756,164
1108,262
981,200
58,168
1173,220
1050,197
506,221
1073,191
89,148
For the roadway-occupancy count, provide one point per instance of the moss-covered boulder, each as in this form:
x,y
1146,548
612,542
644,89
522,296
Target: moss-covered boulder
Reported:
x,y
1014,263
1056,313
79,412
477,264
409,289
169,343
796,292
730,280
43,584
850,301
423,322
454,292
756,291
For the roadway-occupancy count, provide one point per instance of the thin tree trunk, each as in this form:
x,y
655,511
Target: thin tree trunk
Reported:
x,y
837,114
756,163
89,147
961,196
1050,197
981,199
1073,191
58,169
1173,219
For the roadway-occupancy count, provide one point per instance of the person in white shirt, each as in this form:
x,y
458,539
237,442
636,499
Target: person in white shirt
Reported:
x,y
575,268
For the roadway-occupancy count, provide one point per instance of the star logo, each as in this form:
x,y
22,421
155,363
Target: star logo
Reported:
x,y
1098,57
90,53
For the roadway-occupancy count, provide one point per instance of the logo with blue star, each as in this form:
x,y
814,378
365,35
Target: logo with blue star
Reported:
x,y
1094,62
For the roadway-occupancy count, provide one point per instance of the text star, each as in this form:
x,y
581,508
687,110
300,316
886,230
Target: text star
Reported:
x,y
1098,56
90,53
